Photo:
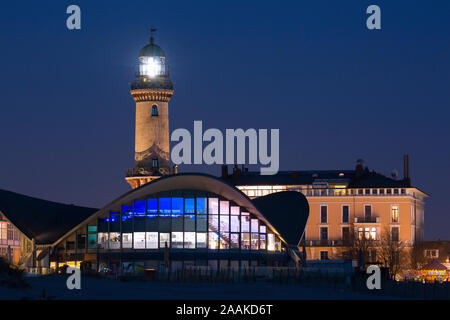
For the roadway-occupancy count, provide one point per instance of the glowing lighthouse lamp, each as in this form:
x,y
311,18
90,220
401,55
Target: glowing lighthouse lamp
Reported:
x,y
151,66
152,61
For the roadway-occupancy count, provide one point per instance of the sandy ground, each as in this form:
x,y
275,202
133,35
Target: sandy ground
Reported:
x,y
102,289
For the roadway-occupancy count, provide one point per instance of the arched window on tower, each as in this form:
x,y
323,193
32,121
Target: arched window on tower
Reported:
x,y
154,110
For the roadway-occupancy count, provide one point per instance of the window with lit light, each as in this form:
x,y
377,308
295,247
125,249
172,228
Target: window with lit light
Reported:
x,y
183,223
394,213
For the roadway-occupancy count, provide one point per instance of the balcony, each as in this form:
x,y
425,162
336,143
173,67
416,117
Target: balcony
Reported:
x,y
325,243
143,172
367,220
157,83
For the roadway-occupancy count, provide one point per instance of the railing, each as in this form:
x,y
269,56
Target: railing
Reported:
x,y
367,220
136,172
331,192
348,243
326,243
160,83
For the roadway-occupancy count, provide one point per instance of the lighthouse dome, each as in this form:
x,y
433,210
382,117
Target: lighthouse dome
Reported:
x,y
151,50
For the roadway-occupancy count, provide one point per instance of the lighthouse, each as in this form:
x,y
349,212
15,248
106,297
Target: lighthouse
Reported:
x,y
151,91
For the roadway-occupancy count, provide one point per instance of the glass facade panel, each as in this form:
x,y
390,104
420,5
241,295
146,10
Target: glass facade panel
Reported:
x,y
139,208
189,240
139,240
92,241
139,223
189,205
255,227
152,205
152,240
103,240
270,242
245,224
213,241
224,240
102,225
224,223
177,240
177,205
201,239
262,242
213,206
235,210
234,241
164,223
151,223
213,223
114,223
127,223
201,205
235,225
245,241
254,241
165,205
114,240
224,207
164,239
127,241
277,244
177,222
189,223
202,223
182,223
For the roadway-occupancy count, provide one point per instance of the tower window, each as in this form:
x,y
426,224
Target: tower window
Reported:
x,y
155,163
154,110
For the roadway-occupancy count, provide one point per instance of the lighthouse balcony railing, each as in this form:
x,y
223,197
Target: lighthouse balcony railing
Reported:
x,y
159,83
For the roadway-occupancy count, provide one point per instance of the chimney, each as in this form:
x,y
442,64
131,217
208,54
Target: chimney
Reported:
x,y
224,171
406,168
359,169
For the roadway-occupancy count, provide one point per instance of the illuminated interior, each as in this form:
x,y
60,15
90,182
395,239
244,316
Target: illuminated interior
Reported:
x,y
183,223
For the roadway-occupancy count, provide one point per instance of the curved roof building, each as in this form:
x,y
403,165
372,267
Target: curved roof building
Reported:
x,y
186,219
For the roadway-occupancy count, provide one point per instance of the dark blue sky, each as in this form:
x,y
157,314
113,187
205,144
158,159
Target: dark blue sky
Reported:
x,y
337,91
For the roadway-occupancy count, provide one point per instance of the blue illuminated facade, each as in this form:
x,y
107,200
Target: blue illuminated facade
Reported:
x,y
173,229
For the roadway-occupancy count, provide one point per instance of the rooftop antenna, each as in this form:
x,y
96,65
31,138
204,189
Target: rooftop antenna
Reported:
x,y
152,33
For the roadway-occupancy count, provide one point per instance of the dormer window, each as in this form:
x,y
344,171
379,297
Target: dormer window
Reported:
x,y
154,110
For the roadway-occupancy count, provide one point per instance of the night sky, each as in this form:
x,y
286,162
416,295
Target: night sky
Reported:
x,y
337,91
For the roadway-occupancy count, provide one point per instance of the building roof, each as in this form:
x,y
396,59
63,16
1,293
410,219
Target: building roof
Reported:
x,y
266,209
367,179
434,265
151,50
42,220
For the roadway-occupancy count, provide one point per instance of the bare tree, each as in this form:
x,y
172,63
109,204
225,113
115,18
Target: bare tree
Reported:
x,y
417,257
393,253
361,245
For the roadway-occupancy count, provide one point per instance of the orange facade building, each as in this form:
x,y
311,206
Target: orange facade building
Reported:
x,y
346,204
